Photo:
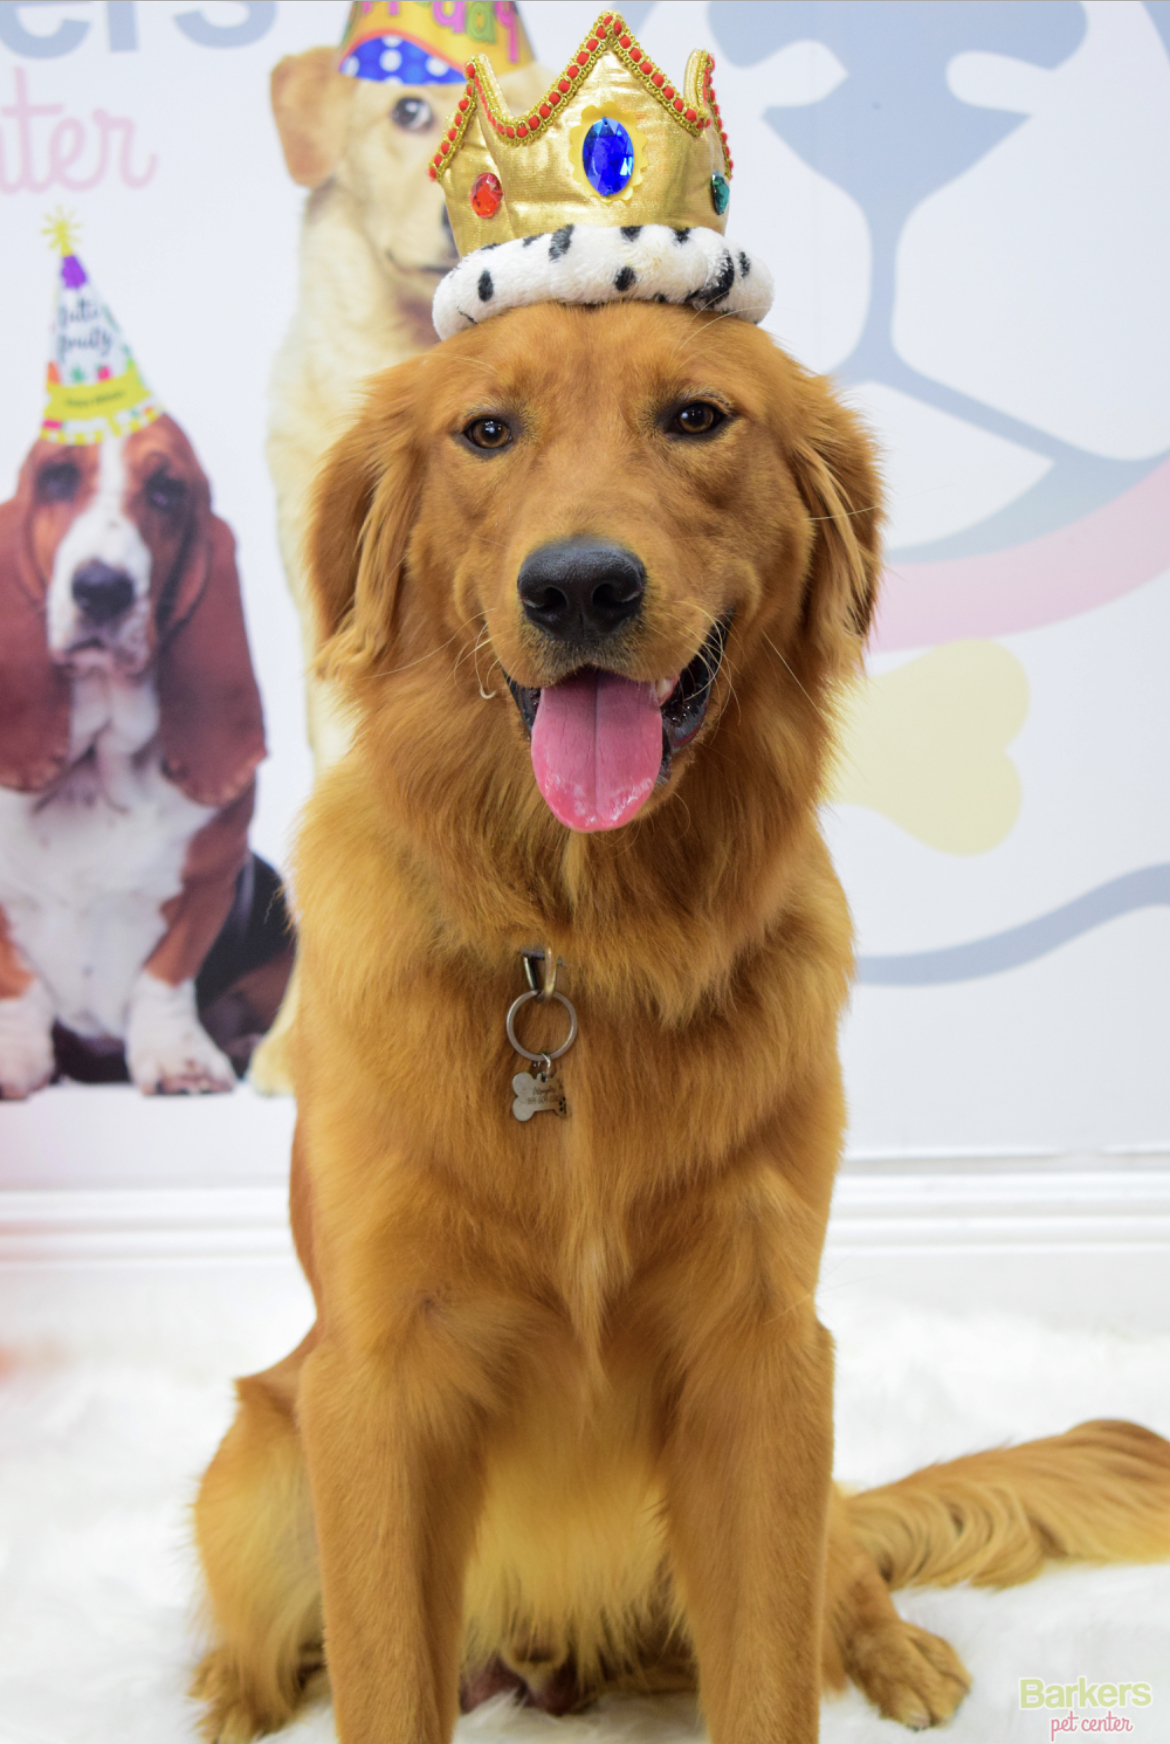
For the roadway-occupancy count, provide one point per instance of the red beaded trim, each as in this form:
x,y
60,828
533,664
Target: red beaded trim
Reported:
x,y
609,35
713,105
456,127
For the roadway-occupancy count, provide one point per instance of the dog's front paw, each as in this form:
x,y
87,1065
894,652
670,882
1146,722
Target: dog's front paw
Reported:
x,y
908,1674
168,1051
26,1042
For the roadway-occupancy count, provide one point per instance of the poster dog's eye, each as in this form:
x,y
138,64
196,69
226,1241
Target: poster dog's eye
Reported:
x,y
58,483
412,114
165,493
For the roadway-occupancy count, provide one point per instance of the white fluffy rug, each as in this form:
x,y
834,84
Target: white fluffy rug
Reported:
x,y
98,1463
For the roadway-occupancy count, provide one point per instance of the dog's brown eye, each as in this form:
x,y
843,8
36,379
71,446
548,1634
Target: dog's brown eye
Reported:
x,y
164,492
488,433
58,483
698,418
412,113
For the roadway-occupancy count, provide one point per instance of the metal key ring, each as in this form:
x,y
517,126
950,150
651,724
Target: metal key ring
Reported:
x,y
545,1053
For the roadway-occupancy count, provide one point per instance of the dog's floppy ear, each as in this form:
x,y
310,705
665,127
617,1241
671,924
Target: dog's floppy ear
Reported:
x,y
211,722
34,692
365,503
835,463
310,100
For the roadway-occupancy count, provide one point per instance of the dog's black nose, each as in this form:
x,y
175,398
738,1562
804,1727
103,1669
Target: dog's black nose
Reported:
x,y
102,593
580,592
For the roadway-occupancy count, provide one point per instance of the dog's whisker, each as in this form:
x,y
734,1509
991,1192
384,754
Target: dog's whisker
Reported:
x,y
848,514
487,695
787,667
438,649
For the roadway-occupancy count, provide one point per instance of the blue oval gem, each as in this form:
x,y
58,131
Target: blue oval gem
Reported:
x,y
720,194
608,157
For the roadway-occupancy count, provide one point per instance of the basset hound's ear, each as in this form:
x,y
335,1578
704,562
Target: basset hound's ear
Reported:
x,y
34,692
835,462
310,101
211,722
365,505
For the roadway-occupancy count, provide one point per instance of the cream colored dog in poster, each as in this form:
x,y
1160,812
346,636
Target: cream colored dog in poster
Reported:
x,y
374,244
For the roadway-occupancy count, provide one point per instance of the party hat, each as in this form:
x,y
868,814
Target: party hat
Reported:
x,y
413,43
93,386
614,187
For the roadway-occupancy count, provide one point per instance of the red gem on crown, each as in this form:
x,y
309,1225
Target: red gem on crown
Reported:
x,y
486,195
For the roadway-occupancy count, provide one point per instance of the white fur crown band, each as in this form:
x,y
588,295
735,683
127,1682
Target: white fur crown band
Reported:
x,y
588,264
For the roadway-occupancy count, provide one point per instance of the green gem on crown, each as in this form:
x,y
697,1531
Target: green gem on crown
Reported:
x,y
720,194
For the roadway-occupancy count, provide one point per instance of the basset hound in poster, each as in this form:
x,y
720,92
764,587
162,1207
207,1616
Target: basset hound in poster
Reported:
x,y
130,731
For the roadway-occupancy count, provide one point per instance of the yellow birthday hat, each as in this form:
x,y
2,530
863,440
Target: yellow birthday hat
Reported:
x,y
412,43
93,386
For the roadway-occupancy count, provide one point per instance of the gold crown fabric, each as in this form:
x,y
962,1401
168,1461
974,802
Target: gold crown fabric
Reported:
x,y
614,186
681,166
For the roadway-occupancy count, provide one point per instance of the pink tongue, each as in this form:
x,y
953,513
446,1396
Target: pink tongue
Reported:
x,y
597,748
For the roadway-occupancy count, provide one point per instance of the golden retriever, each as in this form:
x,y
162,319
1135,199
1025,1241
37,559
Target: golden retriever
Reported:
x,y
374,243
565,1420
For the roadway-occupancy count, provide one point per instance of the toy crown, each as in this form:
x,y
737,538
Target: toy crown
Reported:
x,y
612,142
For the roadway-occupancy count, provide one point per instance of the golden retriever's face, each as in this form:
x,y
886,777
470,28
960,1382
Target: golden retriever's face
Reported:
x,y
623,505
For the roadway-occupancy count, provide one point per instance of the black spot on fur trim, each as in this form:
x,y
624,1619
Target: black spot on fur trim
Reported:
x,y
539,237
486,288
722,285
745,266
631,232
660,298
484,246
683,235
625,278
561,242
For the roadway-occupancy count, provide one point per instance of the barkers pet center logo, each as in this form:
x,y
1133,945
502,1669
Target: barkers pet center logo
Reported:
x,y
1073,1699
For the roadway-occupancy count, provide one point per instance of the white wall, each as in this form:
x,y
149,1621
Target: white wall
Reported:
x,y
964,207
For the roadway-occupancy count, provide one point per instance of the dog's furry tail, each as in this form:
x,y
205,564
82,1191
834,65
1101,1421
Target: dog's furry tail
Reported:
x,y
1100,1493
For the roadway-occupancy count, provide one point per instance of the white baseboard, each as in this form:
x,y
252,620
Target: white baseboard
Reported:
x,y
1081,1242
992,1207
1074,1242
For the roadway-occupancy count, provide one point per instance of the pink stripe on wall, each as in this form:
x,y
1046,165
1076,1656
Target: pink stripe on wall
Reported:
x,y
1086,564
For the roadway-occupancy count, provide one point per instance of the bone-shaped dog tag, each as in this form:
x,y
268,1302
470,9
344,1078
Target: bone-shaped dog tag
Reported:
x,y
538,1093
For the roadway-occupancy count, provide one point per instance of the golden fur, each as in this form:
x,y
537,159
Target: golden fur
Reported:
x,y
565,1418
374,244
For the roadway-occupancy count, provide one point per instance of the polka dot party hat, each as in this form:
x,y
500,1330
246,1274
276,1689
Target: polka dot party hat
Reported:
x,y
93,386
413,43
614,187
